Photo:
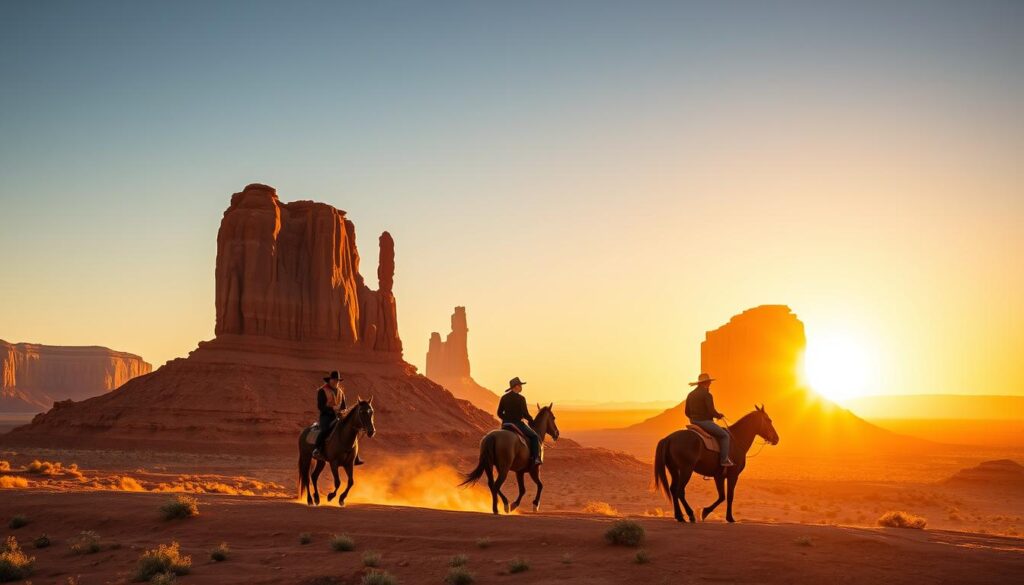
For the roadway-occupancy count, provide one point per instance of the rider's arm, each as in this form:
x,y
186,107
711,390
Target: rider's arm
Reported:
x,y
501,409
711,407
341,403
526,413
321,400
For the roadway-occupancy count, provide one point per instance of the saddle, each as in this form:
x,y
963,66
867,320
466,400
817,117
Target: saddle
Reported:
x,y
710,442
314,432
518,433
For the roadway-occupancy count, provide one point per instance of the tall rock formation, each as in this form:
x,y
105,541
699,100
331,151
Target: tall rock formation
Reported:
x,y
291,304
33,376
755,359
448,364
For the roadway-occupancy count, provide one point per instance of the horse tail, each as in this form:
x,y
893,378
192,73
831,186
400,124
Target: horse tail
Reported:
x,y
660,476
488,455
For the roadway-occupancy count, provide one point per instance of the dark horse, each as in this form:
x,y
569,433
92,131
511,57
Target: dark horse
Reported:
x,y
340,450
504,451
683,452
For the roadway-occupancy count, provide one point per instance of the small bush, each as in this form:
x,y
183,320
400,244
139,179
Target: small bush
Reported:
x,y
305,538
484,542
642,557
900,519
567,559
166,558
803,541
14,563
17,522
86,543
180,506
459,576
371,559
518,566
458,561
42,541
342,543
379,578
220,553
163,579
625,533
602,508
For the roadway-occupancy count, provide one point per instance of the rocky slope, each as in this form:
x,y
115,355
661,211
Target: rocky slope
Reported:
x,y
33,376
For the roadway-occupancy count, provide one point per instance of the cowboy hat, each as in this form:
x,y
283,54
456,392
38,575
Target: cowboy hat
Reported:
x,y
513,383
334,376
702,379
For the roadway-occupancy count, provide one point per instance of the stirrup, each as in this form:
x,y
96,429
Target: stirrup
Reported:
x,y
728,463
358,461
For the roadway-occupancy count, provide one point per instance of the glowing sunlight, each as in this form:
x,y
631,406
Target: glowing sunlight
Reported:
x,y
839,366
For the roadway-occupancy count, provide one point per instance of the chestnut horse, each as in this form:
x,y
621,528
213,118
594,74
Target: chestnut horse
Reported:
x,y
340,449
504,451
683,452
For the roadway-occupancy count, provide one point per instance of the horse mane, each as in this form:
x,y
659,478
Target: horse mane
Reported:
x,y
351,412
743,418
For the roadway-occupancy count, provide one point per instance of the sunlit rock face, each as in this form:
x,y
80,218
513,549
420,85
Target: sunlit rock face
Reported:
x,y
290,271
448,364
291,305
33,376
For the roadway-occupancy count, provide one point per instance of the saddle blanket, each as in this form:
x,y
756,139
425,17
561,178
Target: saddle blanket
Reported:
x,y
710,442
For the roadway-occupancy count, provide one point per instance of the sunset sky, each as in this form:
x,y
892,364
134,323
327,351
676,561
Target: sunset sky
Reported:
x,y
598,184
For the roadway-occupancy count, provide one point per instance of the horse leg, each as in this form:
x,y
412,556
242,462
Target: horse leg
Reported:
x,y
730,492
490,486
684,478
304,460
337,482
522,490
502,474
674,490
316,477
535,474
720,484
351,482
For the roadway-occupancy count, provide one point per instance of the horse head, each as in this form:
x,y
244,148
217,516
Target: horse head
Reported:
x,y
364,416
766,430
546,421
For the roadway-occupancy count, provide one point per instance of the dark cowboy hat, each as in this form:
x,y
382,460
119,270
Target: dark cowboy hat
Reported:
x,y
334,376
513,383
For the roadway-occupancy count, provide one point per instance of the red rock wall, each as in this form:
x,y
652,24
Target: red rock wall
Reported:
x,y
290,271
448,364
33,377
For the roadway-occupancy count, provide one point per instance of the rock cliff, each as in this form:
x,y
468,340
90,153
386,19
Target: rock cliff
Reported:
x,y
33,376
448,364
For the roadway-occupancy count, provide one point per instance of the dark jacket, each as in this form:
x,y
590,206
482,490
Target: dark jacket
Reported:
x,y
700,405
512,409
324,406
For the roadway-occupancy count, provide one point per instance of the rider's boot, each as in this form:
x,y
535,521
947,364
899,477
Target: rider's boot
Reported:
x,y
318,455
358,461
728,463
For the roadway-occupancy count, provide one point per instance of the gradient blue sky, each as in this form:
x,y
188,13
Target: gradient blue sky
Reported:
x,y
599,183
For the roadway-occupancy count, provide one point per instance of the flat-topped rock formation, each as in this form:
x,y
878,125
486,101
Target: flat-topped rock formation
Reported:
x,y
34,376
999,474
291,305
448,364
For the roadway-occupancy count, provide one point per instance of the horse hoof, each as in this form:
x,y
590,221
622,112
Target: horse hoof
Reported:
x,y
506,509
680,519
536,507
729,519
515,506
330,497
316,500
309,501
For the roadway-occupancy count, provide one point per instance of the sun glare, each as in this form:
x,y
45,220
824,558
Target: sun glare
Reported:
x,y
838,366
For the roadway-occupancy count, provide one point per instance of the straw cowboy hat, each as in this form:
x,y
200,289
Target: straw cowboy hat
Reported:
x,y
702,379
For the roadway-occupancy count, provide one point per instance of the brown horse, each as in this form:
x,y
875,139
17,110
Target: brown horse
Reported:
x,y
504,451
340,449
683,452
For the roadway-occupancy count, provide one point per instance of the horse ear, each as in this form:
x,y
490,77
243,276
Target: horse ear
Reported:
x,y
538,406
550,406
370,401
359,398
756,407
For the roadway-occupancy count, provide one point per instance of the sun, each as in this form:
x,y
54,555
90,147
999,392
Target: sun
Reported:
x,y
839,366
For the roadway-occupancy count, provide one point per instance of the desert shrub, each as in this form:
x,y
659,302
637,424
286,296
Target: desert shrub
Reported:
x,y
518,566
180,506
86,543
379,578
42,541
803,541
567,559
220,553
484,542
900,519
371,559
14,563
166,558
163,579
459,576
305,538
602,508
458,561
17,522
342,543
642,557
625,533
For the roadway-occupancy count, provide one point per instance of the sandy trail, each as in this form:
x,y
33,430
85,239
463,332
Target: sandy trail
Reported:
x,y
416,544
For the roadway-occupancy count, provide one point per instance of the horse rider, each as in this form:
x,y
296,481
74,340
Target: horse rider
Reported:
x,y
512,409
330,401
700,409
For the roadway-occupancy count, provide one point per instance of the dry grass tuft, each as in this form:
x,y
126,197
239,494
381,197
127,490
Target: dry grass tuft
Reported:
x,y
803,541
14,563
220,553
458,561
379,578
371,559
180,506
900,519
601,508
86,543
165,559
42,541
642,557
459,576
625,533
342,543
18,521
518,566
484,542
305,538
